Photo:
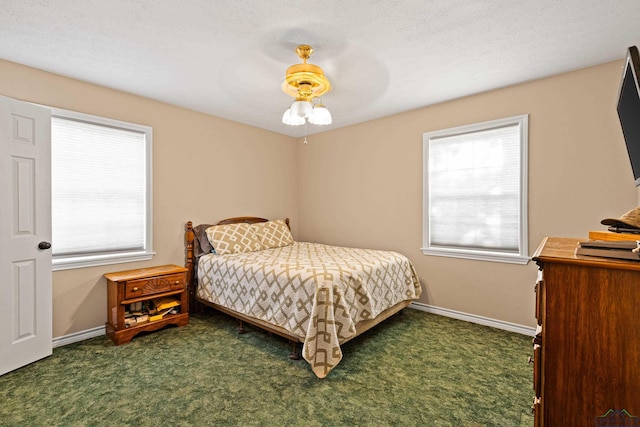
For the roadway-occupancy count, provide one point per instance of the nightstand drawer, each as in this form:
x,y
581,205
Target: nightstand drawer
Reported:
x,y
154,285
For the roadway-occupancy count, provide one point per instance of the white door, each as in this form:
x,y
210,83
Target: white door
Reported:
x,y
25,233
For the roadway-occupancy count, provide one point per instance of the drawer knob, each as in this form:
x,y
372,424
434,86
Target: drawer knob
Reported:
x,y
135,289
177,281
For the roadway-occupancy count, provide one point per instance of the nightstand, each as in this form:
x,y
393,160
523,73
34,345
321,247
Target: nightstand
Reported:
x,y
146,299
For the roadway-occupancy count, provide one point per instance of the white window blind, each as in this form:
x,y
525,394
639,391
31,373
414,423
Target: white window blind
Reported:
x,y
100,190
475,191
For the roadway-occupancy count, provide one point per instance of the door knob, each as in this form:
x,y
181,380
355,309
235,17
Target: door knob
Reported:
x,y
44,245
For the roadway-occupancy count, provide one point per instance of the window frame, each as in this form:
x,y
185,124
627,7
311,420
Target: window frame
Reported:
x,y
68,262
522,257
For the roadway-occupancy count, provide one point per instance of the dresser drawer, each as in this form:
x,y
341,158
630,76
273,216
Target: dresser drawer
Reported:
x,y
154,285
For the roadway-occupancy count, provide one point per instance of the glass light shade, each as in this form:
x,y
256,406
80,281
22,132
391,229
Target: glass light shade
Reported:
x,y
288,118
302,108
320,116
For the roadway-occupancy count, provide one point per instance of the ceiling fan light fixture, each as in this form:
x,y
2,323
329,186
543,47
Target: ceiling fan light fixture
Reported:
x,y
302,108
291,119
320,116
306,82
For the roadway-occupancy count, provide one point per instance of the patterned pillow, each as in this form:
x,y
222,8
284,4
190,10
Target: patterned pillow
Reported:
x,y
233,238
273,234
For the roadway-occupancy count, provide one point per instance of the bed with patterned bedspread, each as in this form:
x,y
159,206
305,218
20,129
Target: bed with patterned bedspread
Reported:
x,y
319,294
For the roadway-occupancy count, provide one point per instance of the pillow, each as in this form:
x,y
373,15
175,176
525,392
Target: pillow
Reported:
x,y
273,234
233,238
201,244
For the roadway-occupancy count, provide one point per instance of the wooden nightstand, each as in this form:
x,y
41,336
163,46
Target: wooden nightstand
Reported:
x,y
133,294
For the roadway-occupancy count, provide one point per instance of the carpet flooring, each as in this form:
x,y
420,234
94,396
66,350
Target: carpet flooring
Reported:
x,y
416,369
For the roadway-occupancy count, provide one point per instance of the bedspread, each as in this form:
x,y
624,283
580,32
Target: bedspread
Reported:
x,y
317,292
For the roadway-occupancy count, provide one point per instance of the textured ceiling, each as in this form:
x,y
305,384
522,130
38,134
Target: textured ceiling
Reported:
x,y
228,58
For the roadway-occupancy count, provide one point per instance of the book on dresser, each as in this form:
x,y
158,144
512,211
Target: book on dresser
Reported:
x,y
609,236
621,249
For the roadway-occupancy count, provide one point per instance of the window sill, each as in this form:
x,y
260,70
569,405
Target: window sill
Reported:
x,y
73,262
477,255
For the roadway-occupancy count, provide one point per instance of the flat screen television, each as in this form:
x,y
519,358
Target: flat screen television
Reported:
x,y
629,109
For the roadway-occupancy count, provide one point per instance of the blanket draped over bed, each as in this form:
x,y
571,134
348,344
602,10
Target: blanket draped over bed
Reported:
x,y
317,292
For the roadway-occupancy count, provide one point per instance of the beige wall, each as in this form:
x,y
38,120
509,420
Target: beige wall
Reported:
x,y
204,169
362,185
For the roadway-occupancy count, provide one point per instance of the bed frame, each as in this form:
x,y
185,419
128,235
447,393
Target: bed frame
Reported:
x,y
197,303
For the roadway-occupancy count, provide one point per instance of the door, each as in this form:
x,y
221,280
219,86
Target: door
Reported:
x,y
25,233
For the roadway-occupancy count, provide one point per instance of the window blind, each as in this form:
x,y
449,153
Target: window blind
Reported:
x,y
98,188
474,183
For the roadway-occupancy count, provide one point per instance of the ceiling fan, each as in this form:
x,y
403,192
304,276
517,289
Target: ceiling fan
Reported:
x,y
306,83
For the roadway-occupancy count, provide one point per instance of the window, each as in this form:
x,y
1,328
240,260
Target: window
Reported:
x,y
100,190
475,191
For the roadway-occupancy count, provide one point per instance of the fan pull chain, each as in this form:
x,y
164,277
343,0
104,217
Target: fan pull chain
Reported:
x,y
305,132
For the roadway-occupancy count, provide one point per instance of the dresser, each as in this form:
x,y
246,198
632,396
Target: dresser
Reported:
x,y
587,345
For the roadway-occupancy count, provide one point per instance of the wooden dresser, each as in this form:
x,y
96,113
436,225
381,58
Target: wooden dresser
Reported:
x,y
587,346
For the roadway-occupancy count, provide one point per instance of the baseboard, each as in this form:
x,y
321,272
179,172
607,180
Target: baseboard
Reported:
x,y
78,336
486,321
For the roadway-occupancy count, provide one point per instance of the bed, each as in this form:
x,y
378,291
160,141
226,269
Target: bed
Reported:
x,y
317,295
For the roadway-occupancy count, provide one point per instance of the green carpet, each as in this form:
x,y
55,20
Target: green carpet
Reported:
x,y
416,369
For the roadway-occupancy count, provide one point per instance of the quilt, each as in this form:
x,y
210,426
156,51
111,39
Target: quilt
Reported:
x,y
316,292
